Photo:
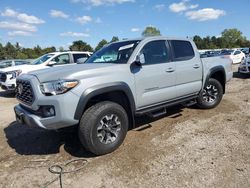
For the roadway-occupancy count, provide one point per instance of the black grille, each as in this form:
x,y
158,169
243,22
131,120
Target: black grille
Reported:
x,y
24,92
3,77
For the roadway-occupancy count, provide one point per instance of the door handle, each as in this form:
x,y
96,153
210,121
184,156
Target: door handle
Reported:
x,y
196,66
170,69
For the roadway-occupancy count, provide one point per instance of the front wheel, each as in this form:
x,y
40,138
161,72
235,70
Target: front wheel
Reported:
x,y
103,127
211,95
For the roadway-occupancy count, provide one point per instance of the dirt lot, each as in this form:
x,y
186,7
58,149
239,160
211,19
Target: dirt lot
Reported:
x,y
187,148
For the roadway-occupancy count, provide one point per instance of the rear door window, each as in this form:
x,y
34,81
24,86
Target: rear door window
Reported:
x,y
80,58
182,50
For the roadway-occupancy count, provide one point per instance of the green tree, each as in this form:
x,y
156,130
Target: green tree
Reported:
x,y
102,43
48,50
198,41
2,56
38,51
80,46
114,39
151,31
232,37
10,51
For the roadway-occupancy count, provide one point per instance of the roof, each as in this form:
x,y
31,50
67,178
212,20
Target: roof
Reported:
x,y
77,52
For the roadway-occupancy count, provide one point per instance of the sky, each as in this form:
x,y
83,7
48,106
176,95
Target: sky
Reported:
x,y
60,22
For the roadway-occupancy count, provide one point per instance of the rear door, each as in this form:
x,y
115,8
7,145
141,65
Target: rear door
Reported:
x,y
188,68
155,80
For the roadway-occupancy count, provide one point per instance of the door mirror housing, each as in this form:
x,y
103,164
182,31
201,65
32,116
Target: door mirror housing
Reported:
x,y
51,63
140,59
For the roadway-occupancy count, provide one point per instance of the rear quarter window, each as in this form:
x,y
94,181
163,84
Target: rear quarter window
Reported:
x,y
182,50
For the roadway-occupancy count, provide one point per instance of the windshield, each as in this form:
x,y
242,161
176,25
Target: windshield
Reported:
x,y
4,64
117,53
42,59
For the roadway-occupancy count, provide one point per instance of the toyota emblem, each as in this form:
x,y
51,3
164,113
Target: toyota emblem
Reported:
x,y
20,89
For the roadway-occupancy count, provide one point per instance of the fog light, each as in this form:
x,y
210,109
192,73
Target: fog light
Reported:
x,y
48,111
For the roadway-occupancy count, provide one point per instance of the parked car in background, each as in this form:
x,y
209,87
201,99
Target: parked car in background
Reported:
x,y
14,62
245,51
236,56
244,67
8,75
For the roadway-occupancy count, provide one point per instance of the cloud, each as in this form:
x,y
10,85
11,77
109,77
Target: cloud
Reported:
x,y
23,17
9,13
58,14
29,19
102,2
84,19
18,26
159,7
19,33
135,29
205,14
74,34
182,6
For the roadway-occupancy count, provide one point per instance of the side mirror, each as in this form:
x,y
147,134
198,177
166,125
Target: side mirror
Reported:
x,y
51,63
140,59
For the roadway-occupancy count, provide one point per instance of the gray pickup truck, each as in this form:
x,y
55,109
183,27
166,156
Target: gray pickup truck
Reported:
x,y
120,81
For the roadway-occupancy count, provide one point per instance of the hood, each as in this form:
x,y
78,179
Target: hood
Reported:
x,y
24,68
74,71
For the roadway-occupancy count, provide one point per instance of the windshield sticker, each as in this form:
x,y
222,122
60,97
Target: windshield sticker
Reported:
x,y
126,47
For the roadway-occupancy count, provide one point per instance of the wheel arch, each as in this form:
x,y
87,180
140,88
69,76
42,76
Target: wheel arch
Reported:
x,y
118,92
219,74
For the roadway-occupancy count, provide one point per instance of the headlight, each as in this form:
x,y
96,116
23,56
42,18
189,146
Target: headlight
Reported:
x,y
58,87
14,73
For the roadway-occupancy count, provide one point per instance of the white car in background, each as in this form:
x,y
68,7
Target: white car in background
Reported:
x,y
8,75
236,56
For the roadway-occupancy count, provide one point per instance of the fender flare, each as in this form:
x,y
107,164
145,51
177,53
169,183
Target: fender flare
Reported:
x,y
101,89
213,70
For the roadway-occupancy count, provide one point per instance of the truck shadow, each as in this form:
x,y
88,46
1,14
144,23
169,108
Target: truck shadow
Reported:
x,y
36,141
241,76
7,94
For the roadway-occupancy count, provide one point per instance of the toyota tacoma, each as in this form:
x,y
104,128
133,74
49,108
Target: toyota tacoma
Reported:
x,y
118,82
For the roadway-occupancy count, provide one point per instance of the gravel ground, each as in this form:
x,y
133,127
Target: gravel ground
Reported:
x,y
188,147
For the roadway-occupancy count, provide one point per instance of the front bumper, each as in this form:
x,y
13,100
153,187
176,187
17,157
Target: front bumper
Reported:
x,y
25,117
62,118
9,83
8,86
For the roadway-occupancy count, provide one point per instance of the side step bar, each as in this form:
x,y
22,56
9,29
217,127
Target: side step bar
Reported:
x,y
159,107
158,113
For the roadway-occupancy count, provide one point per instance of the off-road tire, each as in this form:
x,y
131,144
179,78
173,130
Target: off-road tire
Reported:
x,y
216,88
92,119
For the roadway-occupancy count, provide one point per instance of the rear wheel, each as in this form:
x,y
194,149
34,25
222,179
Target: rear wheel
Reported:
x,y
211,95
103,127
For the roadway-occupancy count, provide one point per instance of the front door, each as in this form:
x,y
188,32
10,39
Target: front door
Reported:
x,y
155,80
